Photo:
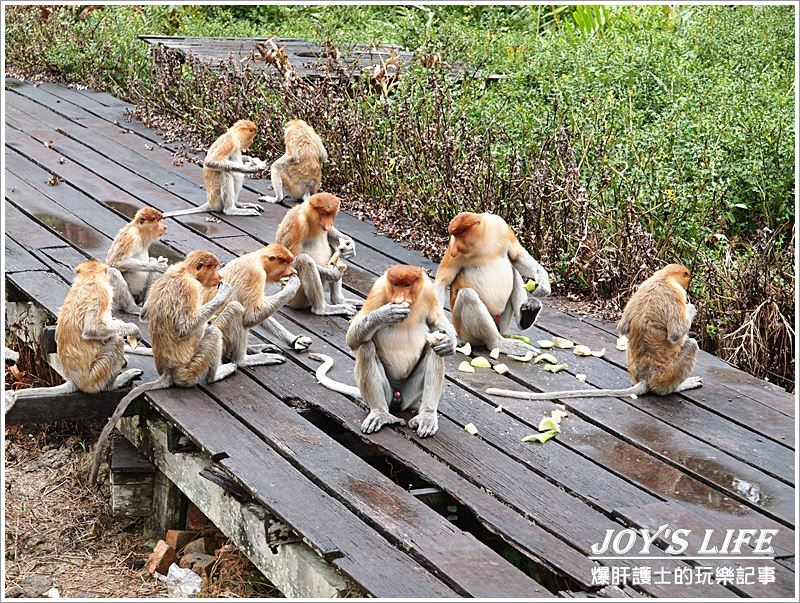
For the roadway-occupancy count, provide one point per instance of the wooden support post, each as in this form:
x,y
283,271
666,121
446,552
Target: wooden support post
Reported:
x,y
294,568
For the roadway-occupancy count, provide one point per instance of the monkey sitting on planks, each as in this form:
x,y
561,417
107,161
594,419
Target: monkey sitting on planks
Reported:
x,y
483,266
89,340
186,348
298,172
129,258
399,338
307,231
247,276
223,173
661,355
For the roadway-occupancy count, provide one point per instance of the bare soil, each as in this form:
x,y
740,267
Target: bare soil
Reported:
x,y
60,533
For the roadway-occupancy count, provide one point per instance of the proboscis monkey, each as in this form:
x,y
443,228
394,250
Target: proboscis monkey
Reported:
x,y
89,339
399,338
130,259
307,231
298,172
484,266
247,276
223,173
186,348
661,356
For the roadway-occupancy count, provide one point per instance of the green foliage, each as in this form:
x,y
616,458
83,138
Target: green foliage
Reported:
x,y
620,138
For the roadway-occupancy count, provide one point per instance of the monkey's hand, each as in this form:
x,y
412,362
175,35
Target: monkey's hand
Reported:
x,y
128,329
347,247
445,347
159,264
391,313
224,291
691,312
542,284
292,285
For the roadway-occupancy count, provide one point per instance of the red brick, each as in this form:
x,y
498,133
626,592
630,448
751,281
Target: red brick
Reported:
x,y
199,545
195,520
161,558
200,563
178,539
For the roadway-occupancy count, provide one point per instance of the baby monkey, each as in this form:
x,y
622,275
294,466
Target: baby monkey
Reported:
x,y
134,271
298,172
661,355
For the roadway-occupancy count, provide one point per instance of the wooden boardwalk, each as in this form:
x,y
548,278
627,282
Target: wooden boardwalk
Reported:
x,y
392,514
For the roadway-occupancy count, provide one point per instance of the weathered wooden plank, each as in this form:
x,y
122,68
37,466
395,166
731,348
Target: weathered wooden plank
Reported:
x,y
677,517
325,523
17,259
468,565
45,288
714,396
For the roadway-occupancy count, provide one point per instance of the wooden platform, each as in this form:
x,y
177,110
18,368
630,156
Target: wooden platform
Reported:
x,y
308,59
394,515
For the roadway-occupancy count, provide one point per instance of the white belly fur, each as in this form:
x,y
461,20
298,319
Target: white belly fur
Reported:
x,y
400,348
318,249
493,282
137,280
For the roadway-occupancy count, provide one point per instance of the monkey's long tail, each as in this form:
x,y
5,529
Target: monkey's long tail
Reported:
x,y
192,210
325,381
638,389
160,383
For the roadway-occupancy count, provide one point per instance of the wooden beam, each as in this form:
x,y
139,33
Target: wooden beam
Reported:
x,y
294,568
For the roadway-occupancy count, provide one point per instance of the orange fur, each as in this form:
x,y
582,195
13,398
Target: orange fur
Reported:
x,y
145,227
238,138
250,273
656,309
301,164
307,221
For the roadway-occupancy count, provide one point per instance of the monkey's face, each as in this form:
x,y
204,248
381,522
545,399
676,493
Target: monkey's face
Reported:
x,y
405,283
464,233
150,223
278,267
246,131
326,207
680,273
204,267
325,220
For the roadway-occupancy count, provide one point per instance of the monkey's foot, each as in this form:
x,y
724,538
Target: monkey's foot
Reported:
x,y
250,206
335,310
426,423
528,312
258,348
262,359
132,309
301,343
377,419
515,347
125,377
690,383
224,370
268,199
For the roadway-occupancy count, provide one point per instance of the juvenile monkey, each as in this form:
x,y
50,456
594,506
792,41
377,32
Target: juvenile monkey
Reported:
x,y
484,265
307,231
130,259
89,340
223,173
247,276
661,356
187,350
397,365
298,171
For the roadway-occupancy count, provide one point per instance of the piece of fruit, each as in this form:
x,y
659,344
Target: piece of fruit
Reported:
x,y
554,368
540,437
519,337
548,357
622,343
547,423
435,337
501,368
466,367
599,353
133,341
582,350
494,354
562,343
526,358
557,415
471,429
581,377
480,362
530,286
498,409
465,349
545,344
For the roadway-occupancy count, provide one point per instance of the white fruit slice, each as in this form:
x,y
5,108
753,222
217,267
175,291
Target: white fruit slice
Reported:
x,y
582,350
466,367
622,343
547,357
554,368
471,429
581,377
526,358
545,344
501,368
133,341
480,362
465,349
562,343
494,354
